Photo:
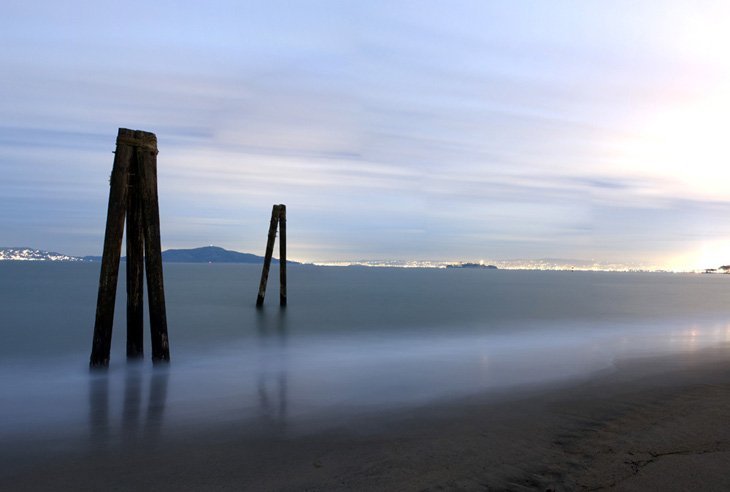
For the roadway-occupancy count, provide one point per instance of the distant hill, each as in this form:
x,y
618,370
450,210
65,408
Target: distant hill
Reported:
x,y
211,254
207,254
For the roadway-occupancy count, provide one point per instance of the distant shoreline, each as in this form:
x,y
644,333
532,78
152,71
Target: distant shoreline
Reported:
x,y
207,254
214,254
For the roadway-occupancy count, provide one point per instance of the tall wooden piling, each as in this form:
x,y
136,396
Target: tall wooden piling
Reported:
x,y
111,256
133,193
153,253
278,217
135,265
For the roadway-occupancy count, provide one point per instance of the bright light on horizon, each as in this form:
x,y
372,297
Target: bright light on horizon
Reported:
x,y
708,254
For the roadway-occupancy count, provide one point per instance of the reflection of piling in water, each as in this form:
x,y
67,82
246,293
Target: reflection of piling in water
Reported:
x,y
157,397
132,401
156,402
133,193
99,408
272,377
278,217
100,424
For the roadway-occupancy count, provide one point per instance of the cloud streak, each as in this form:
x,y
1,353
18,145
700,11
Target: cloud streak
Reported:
x,y
403,131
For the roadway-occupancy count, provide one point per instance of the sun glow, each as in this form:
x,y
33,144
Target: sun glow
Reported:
x,y
685,147
708,254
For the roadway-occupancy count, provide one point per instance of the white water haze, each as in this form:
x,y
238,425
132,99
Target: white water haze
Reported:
x,y
351,342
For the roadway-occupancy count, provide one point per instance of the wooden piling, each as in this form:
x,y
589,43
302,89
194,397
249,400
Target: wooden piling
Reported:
x,y
282,255
268,254
135,265
116,211
153,250
133,193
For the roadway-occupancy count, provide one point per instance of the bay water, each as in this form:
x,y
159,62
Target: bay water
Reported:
x,y
352,341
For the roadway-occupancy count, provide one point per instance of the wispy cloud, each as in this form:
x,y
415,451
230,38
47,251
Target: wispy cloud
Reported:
x,y
407,130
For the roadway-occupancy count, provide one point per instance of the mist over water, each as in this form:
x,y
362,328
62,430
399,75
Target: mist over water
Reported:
x,y
352,341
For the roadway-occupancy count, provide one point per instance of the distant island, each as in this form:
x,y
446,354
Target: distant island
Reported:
x,y
206,254
471,265
212,254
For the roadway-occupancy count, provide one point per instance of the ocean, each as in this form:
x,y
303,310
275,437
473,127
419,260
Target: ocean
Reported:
x,y
352,342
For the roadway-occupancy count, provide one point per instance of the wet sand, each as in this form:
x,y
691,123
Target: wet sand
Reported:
x,y
650,424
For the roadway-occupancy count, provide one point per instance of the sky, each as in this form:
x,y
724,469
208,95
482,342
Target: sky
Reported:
x,y
429,130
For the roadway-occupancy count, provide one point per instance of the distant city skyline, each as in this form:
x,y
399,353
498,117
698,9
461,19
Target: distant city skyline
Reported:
x,y
214,254
422,130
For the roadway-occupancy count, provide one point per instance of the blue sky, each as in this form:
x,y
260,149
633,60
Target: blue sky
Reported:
x,y
404,130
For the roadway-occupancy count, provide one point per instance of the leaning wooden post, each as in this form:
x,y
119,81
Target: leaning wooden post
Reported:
x,y
282,255
112,252
267,257
147,158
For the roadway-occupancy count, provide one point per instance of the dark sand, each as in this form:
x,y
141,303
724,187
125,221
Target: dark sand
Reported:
x,y
652,424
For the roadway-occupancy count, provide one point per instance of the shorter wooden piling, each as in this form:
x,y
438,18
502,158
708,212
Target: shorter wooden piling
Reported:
x,y
278,217
282,255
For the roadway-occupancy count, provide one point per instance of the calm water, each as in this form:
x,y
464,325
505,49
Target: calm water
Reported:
x,y
351,341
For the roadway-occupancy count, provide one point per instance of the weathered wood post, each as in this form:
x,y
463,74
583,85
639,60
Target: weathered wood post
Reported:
x,y
277,212
119,182
153,253
135,266
267,256
282,255
133,193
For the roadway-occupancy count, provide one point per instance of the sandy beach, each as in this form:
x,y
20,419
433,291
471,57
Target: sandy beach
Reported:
x,y
654,423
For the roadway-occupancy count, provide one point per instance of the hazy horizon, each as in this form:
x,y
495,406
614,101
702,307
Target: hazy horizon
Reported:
x,y
543,263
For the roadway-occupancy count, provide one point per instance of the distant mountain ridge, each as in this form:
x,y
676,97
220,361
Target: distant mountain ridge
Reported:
x,y
206,254
211,254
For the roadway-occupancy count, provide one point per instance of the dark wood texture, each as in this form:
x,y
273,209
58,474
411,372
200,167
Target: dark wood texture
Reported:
x,y
135,265
267,256
133,193
147,159
282,255
109,276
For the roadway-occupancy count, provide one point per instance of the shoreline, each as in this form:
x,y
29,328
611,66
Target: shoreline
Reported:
x,y
653,423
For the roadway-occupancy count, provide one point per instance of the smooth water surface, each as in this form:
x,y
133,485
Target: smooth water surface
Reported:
x,y
352,341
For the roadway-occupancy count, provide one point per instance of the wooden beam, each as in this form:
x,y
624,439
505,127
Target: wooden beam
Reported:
x,y
135,265
101,345
267,256
282,255
147,159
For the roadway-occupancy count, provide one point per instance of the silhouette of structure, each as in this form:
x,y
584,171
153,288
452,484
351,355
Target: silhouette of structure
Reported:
x,y
278,217
133,192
